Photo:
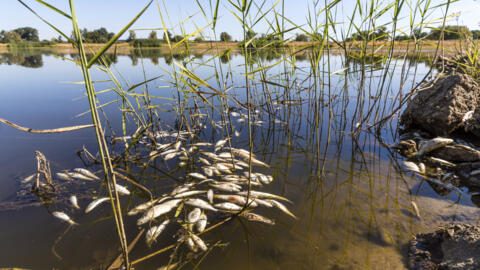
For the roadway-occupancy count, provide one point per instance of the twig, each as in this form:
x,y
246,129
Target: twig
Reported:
x,y
55,130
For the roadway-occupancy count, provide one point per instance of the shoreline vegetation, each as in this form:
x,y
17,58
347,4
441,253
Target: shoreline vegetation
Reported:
x,y
428,47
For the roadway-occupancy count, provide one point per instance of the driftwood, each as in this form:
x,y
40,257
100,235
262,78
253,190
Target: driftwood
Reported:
x,y
55,130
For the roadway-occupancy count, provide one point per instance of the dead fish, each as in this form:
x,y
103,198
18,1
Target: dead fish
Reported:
x,y
227,187
234,114
202,144
282,207
263,203
433,144
263,178
241,153
220,144
208,171
225,155
95,203
74,201
64,217
441,162
259,163
239,200
264,195
198,176
154,232
177,145
170,156
415,207
210,195
199,242
210,155
80,176
194,215
200,204
221,167
87,173
201,223
191,245
257,218
64,176
204,161
182,164
410,166
181,189
28,178
189,193
236,133
142,207
158,210
122,190
227,206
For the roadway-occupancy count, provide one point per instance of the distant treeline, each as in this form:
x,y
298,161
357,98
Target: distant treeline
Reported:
x,y
28,37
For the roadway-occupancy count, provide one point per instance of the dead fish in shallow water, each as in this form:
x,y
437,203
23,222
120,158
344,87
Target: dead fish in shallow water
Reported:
x,y
433,144
95,203
64,176
227,187
189,193
257,218
282,207
237,199
194,215
80,176
225,155
74,201
199,242
201,223
208,171
122,190
220,144
28,178
64,217
210,195
227,206
264,195
410,166
158,210
154,232
415,207
191,245
198,176
87,173
142,207
200,204
204,161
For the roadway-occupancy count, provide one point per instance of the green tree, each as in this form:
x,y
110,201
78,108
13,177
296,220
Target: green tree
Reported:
x,y
100,35
301,37
152,35
224,36
167,34
27,33
250,34
177,38
9,36
199,39
450,32
132,36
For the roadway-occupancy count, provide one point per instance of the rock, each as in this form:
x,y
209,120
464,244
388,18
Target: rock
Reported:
x,y
441,108
457,153
454,247
472,125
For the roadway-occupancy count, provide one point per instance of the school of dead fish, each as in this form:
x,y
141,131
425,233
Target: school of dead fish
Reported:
x,y
223,183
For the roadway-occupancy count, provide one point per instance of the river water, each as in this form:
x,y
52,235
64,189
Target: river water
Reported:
x,y
354,205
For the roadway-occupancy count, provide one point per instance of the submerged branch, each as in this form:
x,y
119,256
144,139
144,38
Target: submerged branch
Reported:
x,y
55,130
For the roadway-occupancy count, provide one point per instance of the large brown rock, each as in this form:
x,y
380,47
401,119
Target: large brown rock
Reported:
x,y
457,153
441,108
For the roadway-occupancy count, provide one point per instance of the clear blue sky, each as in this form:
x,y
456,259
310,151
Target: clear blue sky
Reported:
x,y
114,14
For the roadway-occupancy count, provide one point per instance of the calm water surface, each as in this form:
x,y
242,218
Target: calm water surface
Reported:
x,y
353,205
